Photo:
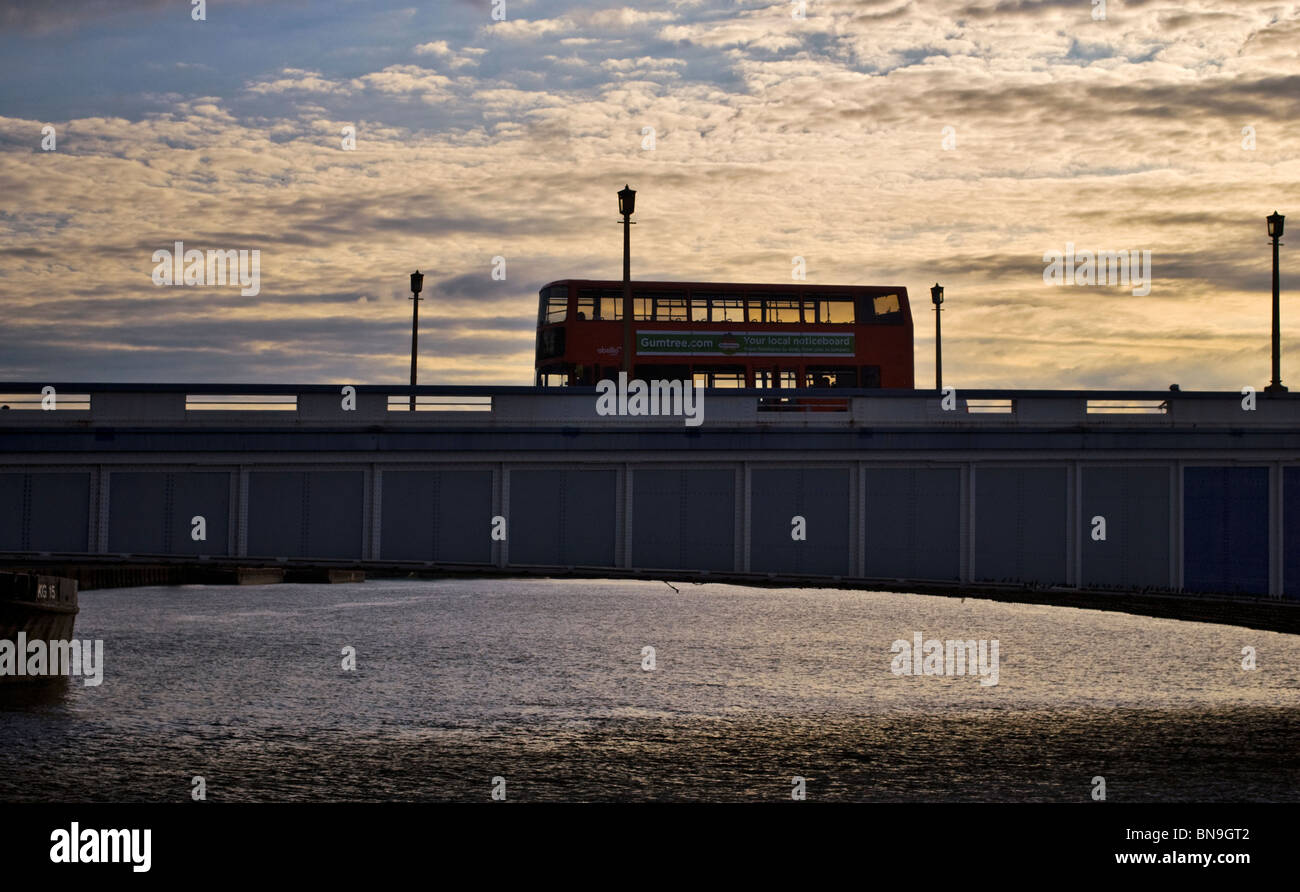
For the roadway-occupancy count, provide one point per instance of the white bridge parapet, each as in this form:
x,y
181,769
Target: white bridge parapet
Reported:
x,y
245,405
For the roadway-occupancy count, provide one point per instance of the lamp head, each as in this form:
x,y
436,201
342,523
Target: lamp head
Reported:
x,y
627,201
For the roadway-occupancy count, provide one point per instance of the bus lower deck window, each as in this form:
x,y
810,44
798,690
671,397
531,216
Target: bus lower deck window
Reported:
x,y
727,379
831,376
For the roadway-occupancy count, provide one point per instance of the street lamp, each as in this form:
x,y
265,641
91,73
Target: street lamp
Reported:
x,y
1275,221
936,296
626,207
417,285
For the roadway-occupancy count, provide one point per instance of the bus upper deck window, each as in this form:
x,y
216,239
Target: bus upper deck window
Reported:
x,y
555,304
835,311
670,308
699,309
611,307
587,305
728,309
780,309
755,311
885,304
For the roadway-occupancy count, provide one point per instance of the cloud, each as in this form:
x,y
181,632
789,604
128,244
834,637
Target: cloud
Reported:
x,y
822,138
295,79
451,58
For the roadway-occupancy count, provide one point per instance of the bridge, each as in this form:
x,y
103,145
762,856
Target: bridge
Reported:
x,y
1099,491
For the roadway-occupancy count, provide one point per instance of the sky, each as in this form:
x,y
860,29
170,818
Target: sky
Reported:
x,y
885,142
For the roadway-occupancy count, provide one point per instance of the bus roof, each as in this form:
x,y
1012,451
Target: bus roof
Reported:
x,y
798,287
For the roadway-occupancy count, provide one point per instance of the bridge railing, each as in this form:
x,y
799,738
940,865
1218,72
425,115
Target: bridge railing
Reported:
x,y
283,405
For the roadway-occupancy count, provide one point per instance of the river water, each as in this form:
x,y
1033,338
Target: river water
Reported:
x,y
542,683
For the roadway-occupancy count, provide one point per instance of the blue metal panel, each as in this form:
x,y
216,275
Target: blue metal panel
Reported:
x,y
562,518
819,495
137,513
679,440
1020,524
913,523
1225,530
13,512
437,516
1291,532
1134,502
684,519
150,512
200,494
305,514
45,512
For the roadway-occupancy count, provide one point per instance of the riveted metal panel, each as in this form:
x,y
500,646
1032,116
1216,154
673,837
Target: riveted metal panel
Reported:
x,y
437,515
684,519
1291,532
1134,504
1021,525
1225,530
45,511
315,514
913,523
13,512
151,512
822,498
561,517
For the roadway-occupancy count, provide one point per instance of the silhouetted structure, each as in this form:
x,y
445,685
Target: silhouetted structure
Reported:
x,y
1275,221
626,207
936,296
417,285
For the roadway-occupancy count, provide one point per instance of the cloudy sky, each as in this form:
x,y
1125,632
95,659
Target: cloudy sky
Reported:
x,y
885,141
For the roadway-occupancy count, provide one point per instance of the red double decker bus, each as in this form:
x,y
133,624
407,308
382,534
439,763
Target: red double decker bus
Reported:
x,y
727,334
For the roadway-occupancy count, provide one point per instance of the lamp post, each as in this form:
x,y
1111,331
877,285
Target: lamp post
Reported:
x,y
936,296
626,207
417,285
1275,221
